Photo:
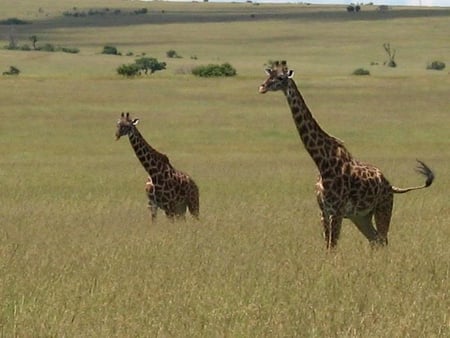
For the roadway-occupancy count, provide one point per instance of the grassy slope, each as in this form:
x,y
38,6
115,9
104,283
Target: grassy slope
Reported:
x,y
78,255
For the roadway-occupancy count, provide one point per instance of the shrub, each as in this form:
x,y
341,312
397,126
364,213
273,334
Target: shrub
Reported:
x,y
172,54
71,50
12,71
141,11
144,64
150,64
214,70
436,65
48,47
25,47
110,50
13,21
361,71
129,70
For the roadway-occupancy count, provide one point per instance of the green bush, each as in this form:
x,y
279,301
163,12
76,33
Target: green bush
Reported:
x,y
25,47
48,47
110,50
13,21
172,54
141,11
149,64
12,71
361,71
436,65
213,70
71,50
144,64
129,70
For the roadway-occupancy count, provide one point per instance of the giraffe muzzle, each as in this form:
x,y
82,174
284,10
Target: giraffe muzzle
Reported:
x,y
262,89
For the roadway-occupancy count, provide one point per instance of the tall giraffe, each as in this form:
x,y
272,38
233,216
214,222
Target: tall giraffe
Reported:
x,y
167,188
346,188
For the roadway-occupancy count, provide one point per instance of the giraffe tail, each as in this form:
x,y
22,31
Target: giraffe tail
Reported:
x,y
193,202
422,169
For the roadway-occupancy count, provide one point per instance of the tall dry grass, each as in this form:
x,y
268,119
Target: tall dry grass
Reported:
x,y
78,253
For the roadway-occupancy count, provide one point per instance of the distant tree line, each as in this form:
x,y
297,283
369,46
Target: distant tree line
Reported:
x,y
77,13
47,47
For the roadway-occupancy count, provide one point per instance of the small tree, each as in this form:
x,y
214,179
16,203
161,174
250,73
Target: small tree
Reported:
x,y
33,40
150,64
12,40
144,64
391,54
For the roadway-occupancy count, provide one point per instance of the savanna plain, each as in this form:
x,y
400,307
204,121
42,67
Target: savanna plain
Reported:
x,y
79,255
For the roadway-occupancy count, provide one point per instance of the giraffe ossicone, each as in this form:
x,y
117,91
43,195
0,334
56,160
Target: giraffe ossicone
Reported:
x,y
346,187
167,188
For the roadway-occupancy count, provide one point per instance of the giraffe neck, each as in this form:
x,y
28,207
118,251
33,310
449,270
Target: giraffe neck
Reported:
x,y
153,161
323,148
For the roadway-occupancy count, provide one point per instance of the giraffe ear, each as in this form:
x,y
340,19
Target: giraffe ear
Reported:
x,y
135,122
290,74
268,71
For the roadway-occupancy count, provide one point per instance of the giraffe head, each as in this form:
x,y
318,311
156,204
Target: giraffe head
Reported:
x,y
125,125
279,76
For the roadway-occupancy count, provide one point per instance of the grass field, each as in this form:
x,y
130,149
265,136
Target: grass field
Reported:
x,y
79,256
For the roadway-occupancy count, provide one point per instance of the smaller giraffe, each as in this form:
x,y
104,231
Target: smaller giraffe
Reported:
x,y
150,191
167,188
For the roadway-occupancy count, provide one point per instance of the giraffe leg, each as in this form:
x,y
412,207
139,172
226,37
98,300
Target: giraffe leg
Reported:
x,y
150,191
170,215
193,202
171,211
364,224
180,211
383,215
153,209
331,229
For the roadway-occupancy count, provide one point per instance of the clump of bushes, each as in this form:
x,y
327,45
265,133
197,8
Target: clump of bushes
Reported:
x,y
361,71
13,21
214,70
12,71
144,65
48,47
172,54
149,64
436,65
70,50
76,13
141,11
353,8
129,70
110,50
